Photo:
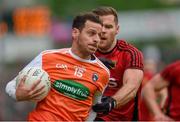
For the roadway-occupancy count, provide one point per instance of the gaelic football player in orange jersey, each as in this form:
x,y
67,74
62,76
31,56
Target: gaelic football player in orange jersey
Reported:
x,y
77,76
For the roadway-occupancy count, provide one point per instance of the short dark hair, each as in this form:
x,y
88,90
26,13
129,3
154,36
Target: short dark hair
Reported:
x,y
105,10
80,20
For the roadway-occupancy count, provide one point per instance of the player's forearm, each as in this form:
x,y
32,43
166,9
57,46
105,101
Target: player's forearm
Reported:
x,y
125,94
131,81
11,89
150,98
163,94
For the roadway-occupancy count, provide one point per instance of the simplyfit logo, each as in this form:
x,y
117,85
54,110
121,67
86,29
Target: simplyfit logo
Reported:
x,y
72,89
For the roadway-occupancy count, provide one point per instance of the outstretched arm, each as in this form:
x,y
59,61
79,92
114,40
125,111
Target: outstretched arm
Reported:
x,y
132,80
155,84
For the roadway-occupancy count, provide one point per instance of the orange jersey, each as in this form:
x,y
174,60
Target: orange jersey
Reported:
x,y
74,82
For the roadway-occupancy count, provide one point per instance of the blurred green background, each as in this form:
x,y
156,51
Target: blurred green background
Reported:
x,y
29,26
66,8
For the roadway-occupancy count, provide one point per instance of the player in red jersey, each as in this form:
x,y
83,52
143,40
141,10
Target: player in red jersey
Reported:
x,y
77,76
150,69
169,77
126,74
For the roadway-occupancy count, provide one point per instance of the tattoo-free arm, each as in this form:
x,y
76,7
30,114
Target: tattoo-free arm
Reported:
x,y
155,84
131,81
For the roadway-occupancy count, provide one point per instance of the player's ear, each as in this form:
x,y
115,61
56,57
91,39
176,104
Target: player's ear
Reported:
x,y
117,29
75,33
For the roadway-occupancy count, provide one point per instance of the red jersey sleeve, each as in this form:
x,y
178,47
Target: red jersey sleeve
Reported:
x,y
170,71
133,57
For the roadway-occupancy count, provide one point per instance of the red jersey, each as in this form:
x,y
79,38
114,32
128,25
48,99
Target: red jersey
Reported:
x,y
172,74
125,57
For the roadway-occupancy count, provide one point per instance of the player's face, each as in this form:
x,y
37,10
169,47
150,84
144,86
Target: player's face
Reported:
x,y
109,31
89,38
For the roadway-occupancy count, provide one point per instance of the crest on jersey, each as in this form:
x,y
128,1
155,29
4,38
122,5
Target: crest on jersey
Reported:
x,y
95,77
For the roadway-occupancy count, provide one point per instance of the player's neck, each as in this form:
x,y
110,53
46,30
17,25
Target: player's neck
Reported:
x,y
110,49
79,54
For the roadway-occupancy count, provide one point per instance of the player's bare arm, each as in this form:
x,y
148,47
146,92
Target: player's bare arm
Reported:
x,y
131,82
155,84
162,95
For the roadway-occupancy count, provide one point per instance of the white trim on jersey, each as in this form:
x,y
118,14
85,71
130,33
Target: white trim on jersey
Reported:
x,y
36,62
80,59
63,50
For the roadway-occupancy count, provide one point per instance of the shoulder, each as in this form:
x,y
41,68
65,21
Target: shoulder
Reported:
x,y
55,51
174,64
171,71
124,45
131,50
172,67
132,54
